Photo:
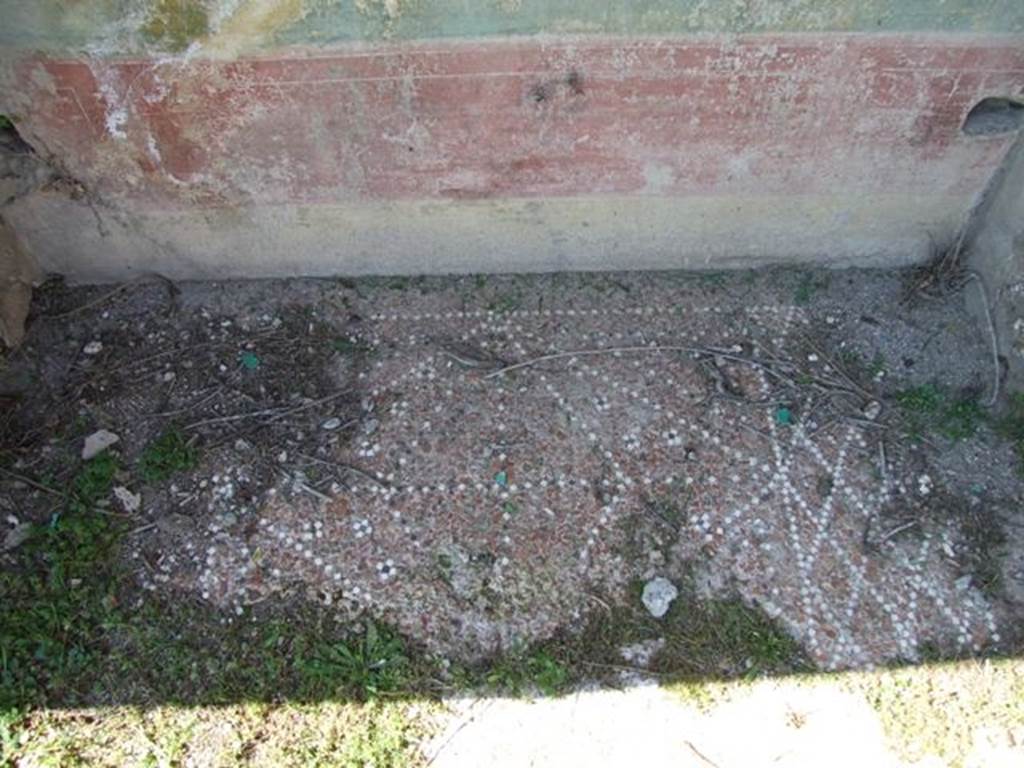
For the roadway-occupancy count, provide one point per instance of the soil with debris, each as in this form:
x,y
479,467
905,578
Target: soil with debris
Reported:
x,y
483,461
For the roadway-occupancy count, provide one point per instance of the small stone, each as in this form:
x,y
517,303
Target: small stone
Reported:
x,y
331,424
642,654
242,445
873,410
98,442
658,596
130,501
93,348
771,610
924,484
963,583
17,536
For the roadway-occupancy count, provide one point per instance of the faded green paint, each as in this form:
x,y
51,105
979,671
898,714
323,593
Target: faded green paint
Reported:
x,y
174,24
125,27
337,20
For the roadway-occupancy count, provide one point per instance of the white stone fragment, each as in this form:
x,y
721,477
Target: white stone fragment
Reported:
x,y
131,502
658,596
98,442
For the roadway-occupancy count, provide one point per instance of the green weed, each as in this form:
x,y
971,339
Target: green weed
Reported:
x,y
399,283
1010,425
93,481
962,419
808,285
670,510
349,346
367,666
713,280
167,455
878,366
929,408
923,400
516,673
56,606
505,302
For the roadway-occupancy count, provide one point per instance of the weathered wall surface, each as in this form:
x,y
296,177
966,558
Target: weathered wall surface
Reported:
x,y
276,137
997,253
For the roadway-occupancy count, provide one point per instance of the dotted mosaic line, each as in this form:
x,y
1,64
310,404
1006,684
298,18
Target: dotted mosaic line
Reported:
x,y
651,311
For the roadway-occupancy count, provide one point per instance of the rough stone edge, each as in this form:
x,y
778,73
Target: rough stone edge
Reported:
x,y
995,251
18,273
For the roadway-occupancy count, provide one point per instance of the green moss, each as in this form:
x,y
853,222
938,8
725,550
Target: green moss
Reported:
x,y
725,639
175,24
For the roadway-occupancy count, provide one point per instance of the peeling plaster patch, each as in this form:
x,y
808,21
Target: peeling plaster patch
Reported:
x,y
221,12
247,24
154,151
116,115
115,120
157,92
